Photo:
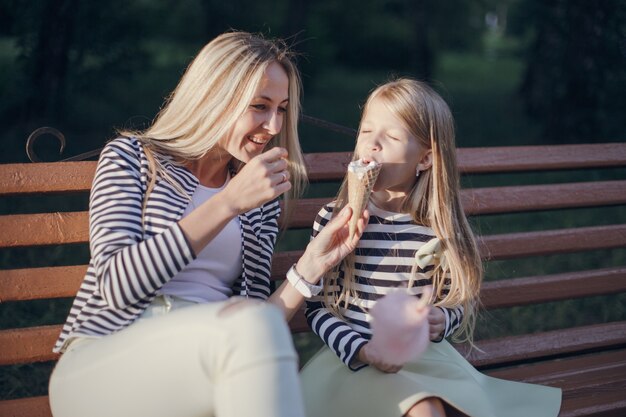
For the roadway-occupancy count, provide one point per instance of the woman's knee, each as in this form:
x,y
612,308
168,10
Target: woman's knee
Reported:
x,y
259,325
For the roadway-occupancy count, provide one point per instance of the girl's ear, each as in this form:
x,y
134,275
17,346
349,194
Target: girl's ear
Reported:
x,y
426,161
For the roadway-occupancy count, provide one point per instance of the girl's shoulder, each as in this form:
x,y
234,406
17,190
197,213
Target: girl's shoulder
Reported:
x,y
326,212
324,215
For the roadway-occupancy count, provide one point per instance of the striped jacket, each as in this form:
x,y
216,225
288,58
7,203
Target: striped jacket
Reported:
x,y
130,262
383,260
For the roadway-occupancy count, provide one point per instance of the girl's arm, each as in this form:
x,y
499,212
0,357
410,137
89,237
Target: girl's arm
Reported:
x,y
443,321
338,336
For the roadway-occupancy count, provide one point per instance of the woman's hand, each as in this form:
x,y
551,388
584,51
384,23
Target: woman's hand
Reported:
x,y
330,246
264,178
365,356
436,323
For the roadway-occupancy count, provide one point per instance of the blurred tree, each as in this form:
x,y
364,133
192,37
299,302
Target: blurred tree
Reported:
x,y
406,35
64,47
575,76
48,66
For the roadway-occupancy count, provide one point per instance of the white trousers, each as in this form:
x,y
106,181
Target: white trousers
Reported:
x,y
219,359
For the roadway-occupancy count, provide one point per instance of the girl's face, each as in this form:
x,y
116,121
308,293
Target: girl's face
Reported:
x,y
264,117
384,138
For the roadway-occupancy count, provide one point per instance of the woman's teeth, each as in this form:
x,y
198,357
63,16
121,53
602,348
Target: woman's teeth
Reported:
x,y
257,140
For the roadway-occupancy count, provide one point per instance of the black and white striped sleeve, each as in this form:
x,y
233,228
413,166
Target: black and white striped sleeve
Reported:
x,y
453,315
127,267
335,332
264,249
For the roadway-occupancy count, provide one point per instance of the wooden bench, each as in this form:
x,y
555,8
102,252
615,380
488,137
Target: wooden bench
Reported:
x,y
587,361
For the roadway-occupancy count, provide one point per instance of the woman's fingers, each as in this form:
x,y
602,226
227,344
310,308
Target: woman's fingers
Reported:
x,y
360,227
273,155
265,177
336,224
280,177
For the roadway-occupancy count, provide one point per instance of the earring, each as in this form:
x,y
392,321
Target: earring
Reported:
x,y
417,172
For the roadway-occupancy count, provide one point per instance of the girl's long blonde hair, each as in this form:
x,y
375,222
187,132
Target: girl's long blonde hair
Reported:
x,y
434,201
214,92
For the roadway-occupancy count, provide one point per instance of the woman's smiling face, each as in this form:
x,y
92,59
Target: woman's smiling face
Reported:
x,y
264,117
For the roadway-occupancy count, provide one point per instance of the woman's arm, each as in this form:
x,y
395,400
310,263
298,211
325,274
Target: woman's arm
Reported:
x,y
335,332
256,184
322,253
127,266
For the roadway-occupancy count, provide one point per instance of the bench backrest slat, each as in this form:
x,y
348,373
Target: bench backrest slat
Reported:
x,y
518,245
19,230
556,287
61,177
525,347
40,283
71,227
63,281
551,242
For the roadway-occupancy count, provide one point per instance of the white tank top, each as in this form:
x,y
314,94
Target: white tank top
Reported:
x,y
211,275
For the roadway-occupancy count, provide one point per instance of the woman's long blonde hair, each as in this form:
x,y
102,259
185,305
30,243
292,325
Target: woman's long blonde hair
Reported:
x,y
214,92
434,201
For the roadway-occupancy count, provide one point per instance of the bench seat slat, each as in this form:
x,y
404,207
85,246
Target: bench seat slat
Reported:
x,y
63,177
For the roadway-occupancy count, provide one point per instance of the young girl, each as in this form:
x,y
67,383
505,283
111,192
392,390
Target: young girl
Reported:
x,y
417,237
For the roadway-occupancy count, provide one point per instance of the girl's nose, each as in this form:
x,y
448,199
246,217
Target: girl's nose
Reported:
x,y
373,144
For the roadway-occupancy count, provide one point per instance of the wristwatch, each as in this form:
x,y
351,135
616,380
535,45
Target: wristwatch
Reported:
x,y
304,287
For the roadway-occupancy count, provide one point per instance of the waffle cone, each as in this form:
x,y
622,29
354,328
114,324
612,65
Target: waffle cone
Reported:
x,y
359,190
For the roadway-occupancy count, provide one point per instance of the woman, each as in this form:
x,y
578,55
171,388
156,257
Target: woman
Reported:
x,y
183,217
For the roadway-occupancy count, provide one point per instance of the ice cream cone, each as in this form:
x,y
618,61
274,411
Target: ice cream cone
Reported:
x,y
361,179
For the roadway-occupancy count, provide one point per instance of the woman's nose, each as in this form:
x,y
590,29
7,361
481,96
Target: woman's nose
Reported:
x,y
273,123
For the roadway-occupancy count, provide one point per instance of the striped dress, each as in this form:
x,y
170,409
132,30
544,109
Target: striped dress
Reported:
x,y
383,261
131,260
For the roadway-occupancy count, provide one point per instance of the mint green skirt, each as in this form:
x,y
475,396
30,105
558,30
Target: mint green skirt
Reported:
x,y
331,389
